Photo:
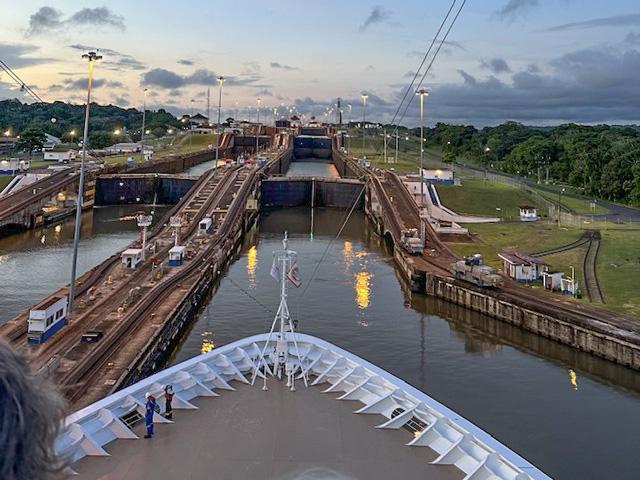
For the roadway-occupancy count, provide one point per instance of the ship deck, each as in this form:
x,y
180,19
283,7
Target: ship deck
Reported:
x,y
275,434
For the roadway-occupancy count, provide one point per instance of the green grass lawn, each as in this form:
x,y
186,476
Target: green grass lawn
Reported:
x,y
619,269
408,152
4,180
526,237
479,197
168,146
577,205
618,260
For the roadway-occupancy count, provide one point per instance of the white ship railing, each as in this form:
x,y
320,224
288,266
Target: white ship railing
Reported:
x,y
455,440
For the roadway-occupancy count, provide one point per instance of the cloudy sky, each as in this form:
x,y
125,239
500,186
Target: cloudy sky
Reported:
x,y
535,61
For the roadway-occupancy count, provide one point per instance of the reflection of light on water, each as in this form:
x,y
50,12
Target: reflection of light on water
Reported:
x,y
207,343
347,254
363,289
252,264
573,378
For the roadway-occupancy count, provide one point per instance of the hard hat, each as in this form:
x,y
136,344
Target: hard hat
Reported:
x,y
147,395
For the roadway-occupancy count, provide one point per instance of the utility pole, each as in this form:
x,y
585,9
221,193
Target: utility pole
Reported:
x,y
220,81
422,92
364,119
209,104
144,112
258,129
397,137
384,132
91,58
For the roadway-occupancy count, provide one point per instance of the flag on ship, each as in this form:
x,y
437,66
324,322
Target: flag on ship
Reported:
x,y
294,275
275,272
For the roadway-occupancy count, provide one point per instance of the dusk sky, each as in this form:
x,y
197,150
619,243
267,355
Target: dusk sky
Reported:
x,y
534,61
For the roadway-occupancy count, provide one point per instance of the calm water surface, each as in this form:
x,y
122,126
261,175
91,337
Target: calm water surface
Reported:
x,y
37,262
513,384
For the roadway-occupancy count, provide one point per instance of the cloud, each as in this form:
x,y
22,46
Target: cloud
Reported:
x,y
495,65
121,101
265,92
515,8
378,15
369,68
615,21
585,86
163,78
70,85
185,61
112,59
281,66
97,17
17,55
48,19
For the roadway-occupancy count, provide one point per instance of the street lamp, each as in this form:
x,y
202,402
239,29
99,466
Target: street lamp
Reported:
x,y
422,93
144,113
91,58
220,83
560,192
259,100
486,154
364,97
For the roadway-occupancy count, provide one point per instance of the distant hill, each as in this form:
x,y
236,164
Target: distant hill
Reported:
x,y
103,118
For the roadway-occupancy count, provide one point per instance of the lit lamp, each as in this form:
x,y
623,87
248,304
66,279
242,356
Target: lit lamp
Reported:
x,y
91,58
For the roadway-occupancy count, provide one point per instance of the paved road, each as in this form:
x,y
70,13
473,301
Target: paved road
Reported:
x,y
617,210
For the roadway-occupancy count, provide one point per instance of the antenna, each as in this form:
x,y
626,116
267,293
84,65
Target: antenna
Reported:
x,y
144,221
209,105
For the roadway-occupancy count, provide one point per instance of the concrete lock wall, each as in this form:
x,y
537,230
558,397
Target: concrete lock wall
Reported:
x,y
600,343
144,190
293,193
307,146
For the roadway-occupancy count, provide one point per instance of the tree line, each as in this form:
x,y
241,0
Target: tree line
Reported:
x,y
24,118
601,161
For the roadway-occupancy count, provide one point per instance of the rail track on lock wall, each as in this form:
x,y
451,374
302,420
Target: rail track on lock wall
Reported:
x,y
74,381
214,184
401,203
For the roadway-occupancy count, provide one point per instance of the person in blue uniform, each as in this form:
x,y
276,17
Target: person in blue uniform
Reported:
x,y
148,416
168,397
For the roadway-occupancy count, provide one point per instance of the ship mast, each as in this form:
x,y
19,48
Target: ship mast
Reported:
x,y
282,364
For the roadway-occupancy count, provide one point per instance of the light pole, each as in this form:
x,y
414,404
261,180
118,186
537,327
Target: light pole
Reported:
x,y
486,155
422,93
191,126
397,140
91,58
144,112
258,129
560,192
364,97
221,82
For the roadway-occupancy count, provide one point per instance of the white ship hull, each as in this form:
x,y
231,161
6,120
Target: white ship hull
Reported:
x,y
455,440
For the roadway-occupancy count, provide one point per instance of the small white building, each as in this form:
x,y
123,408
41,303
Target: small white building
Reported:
x,y
438,175
57,154
522,267
13,166
528,213
204,226
120,148
176,255
132,257
552,280
46,319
